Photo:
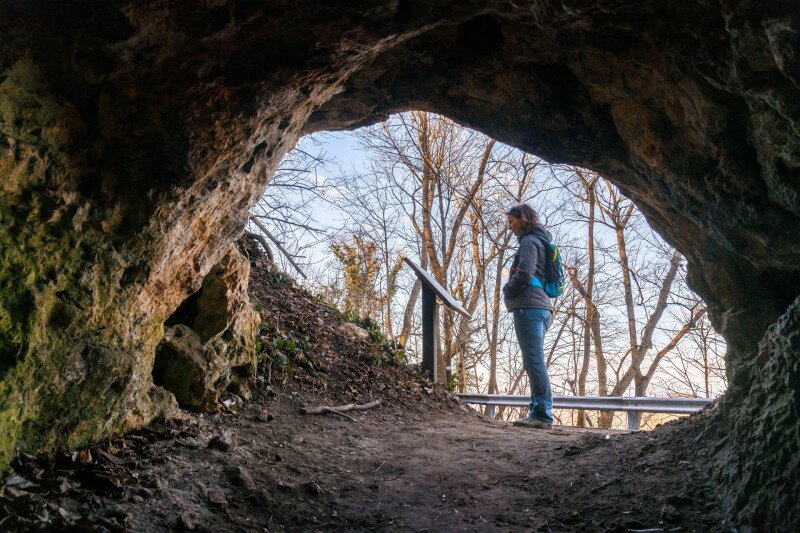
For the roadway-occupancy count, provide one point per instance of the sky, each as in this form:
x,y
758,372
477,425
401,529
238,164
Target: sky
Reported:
x,y
343,150
343,146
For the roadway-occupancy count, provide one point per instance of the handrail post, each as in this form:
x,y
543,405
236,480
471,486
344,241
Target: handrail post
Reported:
x,y
633,421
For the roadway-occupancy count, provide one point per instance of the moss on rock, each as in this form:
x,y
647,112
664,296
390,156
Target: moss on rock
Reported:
x,y
65,357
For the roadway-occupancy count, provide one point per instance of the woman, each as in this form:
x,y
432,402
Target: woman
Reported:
x,y
532,310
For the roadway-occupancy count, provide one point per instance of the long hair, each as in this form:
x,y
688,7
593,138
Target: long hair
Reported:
x,y
530,218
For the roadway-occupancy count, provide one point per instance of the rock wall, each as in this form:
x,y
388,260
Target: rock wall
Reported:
x,y
686,106
134,136
755,438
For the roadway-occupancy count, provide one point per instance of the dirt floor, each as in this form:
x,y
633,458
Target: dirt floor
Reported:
x,y
419,461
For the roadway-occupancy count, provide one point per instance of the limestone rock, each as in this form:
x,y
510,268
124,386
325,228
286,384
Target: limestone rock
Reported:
x,y
354,331
197,361
188,521
755,420
241,477
185,368
216,497
226,441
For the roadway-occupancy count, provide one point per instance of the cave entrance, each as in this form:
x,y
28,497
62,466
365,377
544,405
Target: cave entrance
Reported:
x,y
345,209
135,138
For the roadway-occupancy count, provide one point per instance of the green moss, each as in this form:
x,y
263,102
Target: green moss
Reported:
x,y
65,361
16,408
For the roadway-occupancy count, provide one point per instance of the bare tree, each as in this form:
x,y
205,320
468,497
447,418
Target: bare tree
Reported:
x,y
283,214
435,168
437,191
370,210
616,214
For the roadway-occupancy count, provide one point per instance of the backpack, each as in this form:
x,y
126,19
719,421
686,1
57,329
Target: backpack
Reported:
x,y
553,281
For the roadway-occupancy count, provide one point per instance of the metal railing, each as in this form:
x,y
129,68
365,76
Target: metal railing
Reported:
x,y
630,404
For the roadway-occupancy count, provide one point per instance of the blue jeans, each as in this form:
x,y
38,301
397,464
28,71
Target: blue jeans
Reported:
x,y
531,323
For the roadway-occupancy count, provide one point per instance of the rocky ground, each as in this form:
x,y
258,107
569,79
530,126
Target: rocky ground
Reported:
x,y
418,461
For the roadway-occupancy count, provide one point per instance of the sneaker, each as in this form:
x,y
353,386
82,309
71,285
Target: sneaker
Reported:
x,y
532,423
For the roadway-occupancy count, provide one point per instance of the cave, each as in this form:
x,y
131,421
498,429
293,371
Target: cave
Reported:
x,y
136,136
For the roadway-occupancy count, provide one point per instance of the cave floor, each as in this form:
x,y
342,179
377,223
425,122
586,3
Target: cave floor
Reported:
x,y
429,464
420,461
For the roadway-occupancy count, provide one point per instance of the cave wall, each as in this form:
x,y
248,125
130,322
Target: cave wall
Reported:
x,y
209,344
134,136
754,437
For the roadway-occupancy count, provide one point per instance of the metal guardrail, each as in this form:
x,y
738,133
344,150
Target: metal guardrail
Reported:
x,y
630,404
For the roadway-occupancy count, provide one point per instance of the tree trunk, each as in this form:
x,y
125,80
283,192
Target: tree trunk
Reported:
x,y
588,298
408,315
634,372
493,334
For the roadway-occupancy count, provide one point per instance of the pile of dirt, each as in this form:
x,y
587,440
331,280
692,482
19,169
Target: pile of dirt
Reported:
x,y
419,460
307,342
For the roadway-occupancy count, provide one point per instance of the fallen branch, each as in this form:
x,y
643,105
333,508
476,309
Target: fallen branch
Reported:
x,y
335,412
322,409
654,530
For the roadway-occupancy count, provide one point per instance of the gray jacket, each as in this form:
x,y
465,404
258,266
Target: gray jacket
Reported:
x,y
528,262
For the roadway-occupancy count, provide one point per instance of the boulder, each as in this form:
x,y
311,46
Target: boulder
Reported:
x,y
209,343
352,330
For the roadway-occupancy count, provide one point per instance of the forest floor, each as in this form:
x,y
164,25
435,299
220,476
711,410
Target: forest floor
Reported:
x,y
419,461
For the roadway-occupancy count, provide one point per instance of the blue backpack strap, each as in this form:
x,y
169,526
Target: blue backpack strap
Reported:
x,y
544,240
537,281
